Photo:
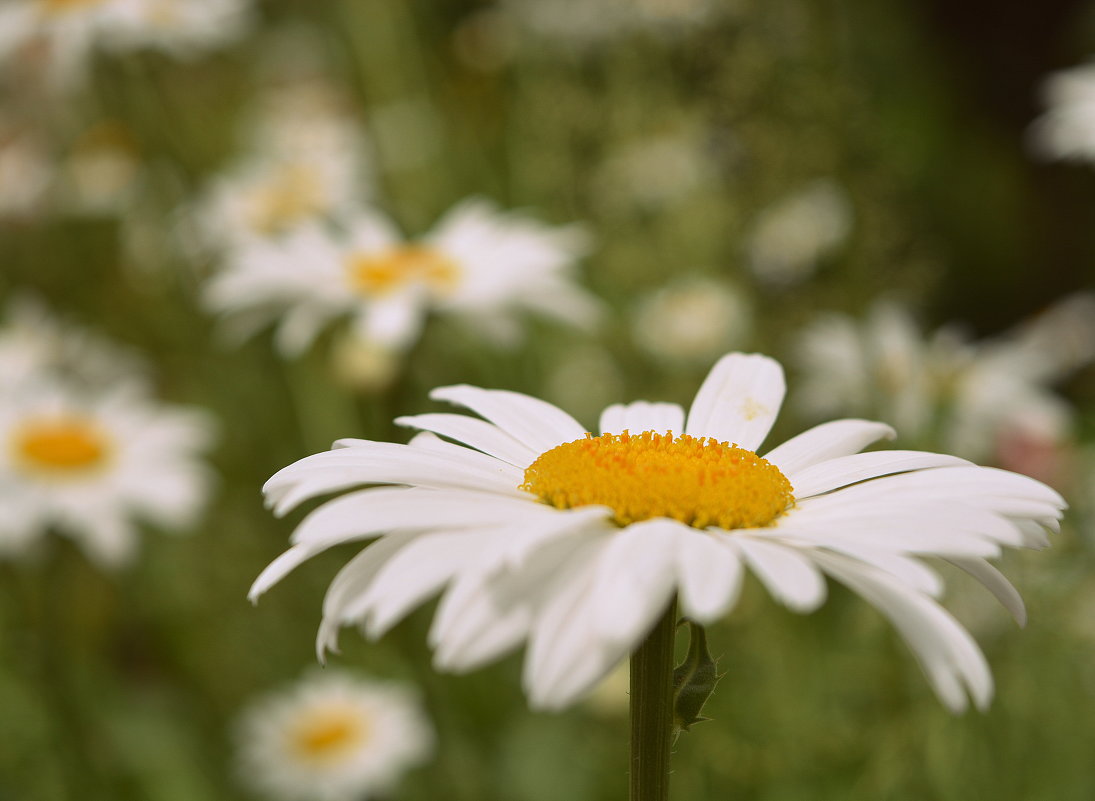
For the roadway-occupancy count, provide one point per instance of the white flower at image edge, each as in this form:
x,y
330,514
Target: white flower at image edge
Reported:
x,y
332,737
537,532
92,467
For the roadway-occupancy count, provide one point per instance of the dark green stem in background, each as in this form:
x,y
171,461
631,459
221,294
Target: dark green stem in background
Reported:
x,y
652,710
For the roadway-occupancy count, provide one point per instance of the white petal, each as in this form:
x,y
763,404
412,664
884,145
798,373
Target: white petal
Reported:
x,y
827,441
844,470
357,462
996,583
414,574
634,580
537,424
947,653
352,580
790,576
739,400
709,576
393,322
642,416
482,627
475,433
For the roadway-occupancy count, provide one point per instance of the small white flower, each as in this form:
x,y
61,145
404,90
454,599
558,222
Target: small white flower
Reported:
x,y
182,28
693,320
790,237
332,737
92,466
72,30
306,163
535,531
1067,129
480,265
26,171
943,388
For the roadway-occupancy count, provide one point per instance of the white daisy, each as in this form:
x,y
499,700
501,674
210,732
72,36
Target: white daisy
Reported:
x,y
306,162
1067,129
69,30
535,531
332,737
943,389
183,28
790,237
692,320
91,466
480,265
26,170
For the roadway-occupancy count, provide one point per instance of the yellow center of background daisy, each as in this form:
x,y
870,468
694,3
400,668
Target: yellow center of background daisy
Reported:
x,y
61,446
61,6
292,194
378,274
700,482
328,733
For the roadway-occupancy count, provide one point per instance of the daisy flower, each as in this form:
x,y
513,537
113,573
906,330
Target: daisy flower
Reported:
x,y
942,388
535,531
1067,129
478,264
332,737
91,466
182,28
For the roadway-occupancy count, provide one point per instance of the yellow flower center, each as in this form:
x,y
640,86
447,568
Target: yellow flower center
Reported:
x,y
328,733
64,6
700,482
380,273
61,446
292,194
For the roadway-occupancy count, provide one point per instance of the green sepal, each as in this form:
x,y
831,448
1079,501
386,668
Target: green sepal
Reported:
x,y
694,681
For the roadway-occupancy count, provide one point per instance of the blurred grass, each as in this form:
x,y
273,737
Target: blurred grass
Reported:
x,y
125,687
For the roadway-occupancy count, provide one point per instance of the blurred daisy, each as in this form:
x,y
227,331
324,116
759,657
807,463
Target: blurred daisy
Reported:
x,y
182,28
942,389
478,264
26,170
92,466
790,237
101,175
1067,129
692,320
70,31
332,737
583,23
305,163
535,530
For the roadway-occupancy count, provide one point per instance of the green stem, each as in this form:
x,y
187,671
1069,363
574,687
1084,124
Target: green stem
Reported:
x,y
652,710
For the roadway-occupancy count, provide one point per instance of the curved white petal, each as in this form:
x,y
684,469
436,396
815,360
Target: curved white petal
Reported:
x,y
709,574
996,583
642,416
789,575
357,462
827,441
739,400
947,653
634,580
478,434
536,423
844,470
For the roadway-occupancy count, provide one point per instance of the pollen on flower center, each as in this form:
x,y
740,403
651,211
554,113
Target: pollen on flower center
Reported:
x,y
328,733
380,273
61,446
700,482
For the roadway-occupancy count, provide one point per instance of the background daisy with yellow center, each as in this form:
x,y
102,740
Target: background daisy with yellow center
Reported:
x,y
536,532
333,736
480,265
